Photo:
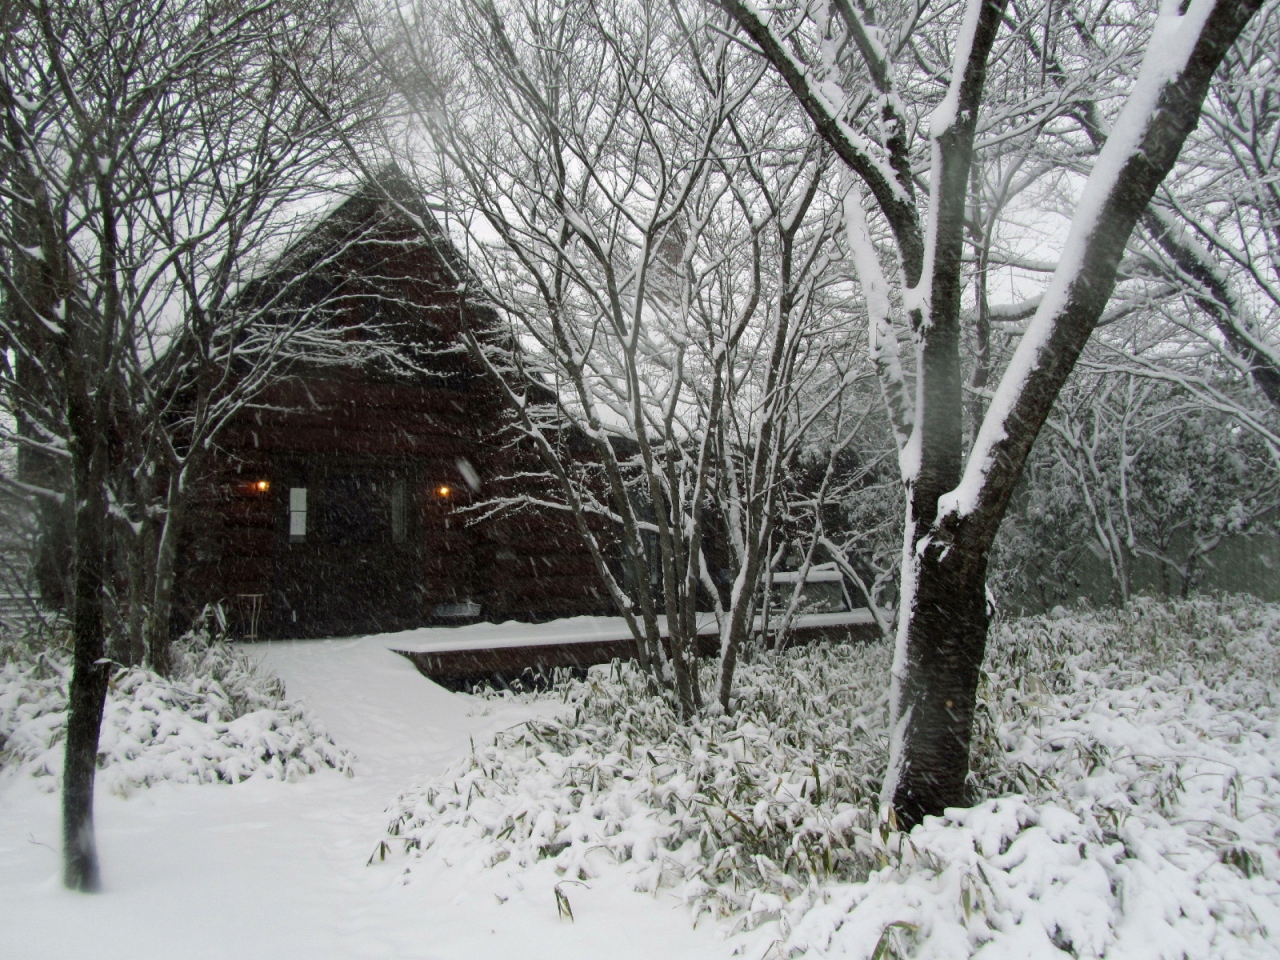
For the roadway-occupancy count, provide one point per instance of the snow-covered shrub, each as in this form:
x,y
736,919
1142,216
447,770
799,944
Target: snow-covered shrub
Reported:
x,y
1127,795
745,811
1192,658
1135,755
218,719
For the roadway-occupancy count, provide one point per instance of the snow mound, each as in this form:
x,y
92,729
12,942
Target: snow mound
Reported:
x,y
1130,760
216,721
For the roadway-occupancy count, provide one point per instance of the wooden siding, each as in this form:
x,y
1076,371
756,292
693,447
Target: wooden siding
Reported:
x,y
347,435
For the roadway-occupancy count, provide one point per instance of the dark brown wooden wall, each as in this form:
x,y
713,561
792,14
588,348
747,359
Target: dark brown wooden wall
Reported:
x,y
529,564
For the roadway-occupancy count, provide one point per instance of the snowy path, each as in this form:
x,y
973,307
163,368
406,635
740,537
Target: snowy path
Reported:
x,y
266,869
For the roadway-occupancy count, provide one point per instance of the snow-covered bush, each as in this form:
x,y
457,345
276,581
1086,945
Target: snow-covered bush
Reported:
x,y
218,719
1127,793
1136,757
746,811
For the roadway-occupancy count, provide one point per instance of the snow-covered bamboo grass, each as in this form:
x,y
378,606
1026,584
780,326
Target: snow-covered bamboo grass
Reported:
x,y
1126,785
219,718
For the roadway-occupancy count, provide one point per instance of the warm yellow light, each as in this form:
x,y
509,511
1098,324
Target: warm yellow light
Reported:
x,y
262,486
443,491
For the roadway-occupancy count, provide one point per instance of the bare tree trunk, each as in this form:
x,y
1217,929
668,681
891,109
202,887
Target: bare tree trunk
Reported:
x,y
43,286
137,541
129,647
743,602
141,585
943,625
159,641
946,641
90,669
683,640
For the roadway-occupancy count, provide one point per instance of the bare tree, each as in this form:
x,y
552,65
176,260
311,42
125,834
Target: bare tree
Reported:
x,y
1214,233
653,223
1142,470
155,159
862,81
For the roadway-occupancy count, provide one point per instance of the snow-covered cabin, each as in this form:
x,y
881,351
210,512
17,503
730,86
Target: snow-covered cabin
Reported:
x,y
338,503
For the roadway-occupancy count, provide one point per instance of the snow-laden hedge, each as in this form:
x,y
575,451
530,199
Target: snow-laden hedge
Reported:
x,y
216,720
1127,792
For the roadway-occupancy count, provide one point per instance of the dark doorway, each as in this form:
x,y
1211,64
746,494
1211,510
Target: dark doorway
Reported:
x,y
349,547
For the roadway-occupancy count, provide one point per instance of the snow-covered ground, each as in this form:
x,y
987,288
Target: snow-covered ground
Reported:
x,y
1136,757
275,870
